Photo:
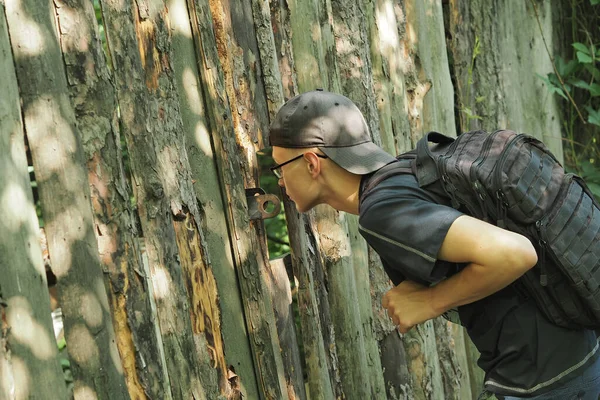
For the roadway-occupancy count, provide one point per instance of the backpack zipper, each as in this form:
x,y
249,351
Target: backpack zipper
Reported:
x,y
487,145
502,204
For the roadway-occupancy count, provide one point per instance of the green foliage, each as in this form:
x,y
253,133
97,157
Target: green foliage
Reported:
x,y
577,81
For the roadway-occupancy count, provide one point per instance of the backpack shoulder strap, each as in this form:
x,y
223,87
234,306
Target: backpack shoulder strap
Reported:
x,y
405,164
427,170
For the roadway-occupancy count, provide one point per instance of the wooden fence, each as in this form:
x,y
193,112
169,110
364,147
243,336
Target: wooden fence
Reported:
x,y
142,132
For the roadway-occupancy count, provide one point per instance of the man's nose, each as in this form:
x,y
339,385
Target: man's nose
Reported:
x,y
281,183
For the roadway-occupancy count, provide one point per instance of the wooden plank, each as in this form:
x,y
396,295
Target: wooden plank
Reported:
x,y
95,104
139,40
286,327
318,342
61,174
29,366
228,110
207,188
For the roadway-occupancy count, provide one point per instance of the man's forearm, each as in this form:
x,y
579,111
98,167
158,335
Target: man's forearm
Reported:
x,y
473,283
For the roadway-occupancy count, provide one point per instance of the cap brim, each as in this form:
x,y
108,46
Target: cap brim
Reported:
x,y
360,159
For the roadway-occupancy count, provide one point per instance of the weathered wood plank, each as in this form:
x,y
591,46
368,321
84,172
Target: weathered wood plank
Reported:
x,y
29,366
94,99
286,328
210,201
61,174
305,259
504,89
139,41
225,87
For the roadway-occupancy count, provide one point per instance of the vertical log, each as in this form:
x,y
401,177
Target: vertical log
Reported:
x,y
286,328
268,55
305,260
29,366
504,90
208,192
394,360
307,47
59,163
454,379
138,38
218,80
280,25
468,383
93,97
342,295
387,26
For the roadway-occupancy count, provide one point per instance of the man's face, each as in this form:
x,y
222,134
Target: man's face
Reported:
x,y
296,178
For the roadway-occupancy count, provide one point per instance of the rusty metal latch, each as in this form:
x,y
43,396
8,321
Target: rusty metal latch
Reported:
x,y
258,201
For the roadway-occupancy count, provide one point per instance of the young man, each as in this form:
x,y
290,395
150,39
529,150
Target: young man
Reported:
x,y
439,258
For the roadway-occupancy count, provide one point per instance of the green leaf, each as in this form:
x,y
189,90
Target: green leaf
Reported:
x,y
580,47
581,84
594,2
62,343
595,72
65,363
584,58
595,89
594,116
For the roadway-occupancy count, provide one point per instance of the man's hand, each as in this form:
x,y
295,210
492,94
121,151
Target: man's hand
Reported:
x,y
409,304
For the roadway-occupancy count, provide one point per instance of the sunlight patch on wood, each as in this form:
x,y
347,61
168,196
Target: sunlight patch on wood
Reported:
x,y
26,35
22,379
84,393
16,209
27,331
90,310
86,349
388,29
192,91
180,20
161,282
203,139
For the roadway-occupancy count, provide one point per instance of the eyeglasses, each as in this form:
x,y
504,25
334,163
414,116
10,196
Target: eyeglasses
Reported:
x,y
277,168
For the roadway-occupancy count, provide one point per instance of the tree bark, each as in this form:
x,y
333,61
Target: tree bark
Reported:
x,y
29,366
286,328
304,261
140,45
95,104
503,89
59,164
236,133
207,187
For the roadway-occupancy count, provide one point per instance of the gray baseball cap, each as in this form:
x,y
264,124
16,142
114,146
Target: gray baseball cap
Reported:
x,y
332,123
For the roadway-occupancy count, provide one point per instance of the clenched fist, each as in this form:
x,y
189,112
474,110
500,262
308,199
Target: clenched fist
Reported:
x,y
409,304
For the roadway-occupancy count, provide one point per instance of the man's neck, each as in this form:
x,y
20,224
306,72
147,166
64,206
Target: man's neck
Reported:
x,y
344,193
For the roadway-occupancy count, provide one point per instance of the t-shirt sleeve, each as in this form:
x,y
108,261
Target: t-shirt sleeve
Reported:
x,y
407,232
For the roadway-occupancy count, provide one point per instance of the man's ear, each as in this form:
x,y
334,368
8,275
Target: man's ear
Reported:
x,y
313,163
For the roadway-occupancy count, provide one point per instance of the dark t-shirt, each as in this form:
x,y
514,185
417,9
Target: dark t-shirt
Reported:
x,y
522,353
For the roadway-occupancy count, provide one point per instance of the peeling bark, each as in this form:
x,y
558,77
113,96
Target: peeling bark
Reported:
x,y
59,162
231,136
503,89
29,366
94,100
152,126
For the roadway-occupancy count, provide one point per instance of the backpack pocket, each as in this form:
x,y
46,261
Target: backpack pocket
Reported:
x,y
570,233
528,176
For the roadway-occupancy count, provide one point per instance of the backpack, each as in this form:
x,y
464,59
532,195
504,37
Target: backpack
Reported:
x,y
513,181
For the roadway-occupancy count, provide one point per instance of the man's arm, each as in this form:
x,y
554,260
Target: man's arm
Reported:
x,y
496,258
